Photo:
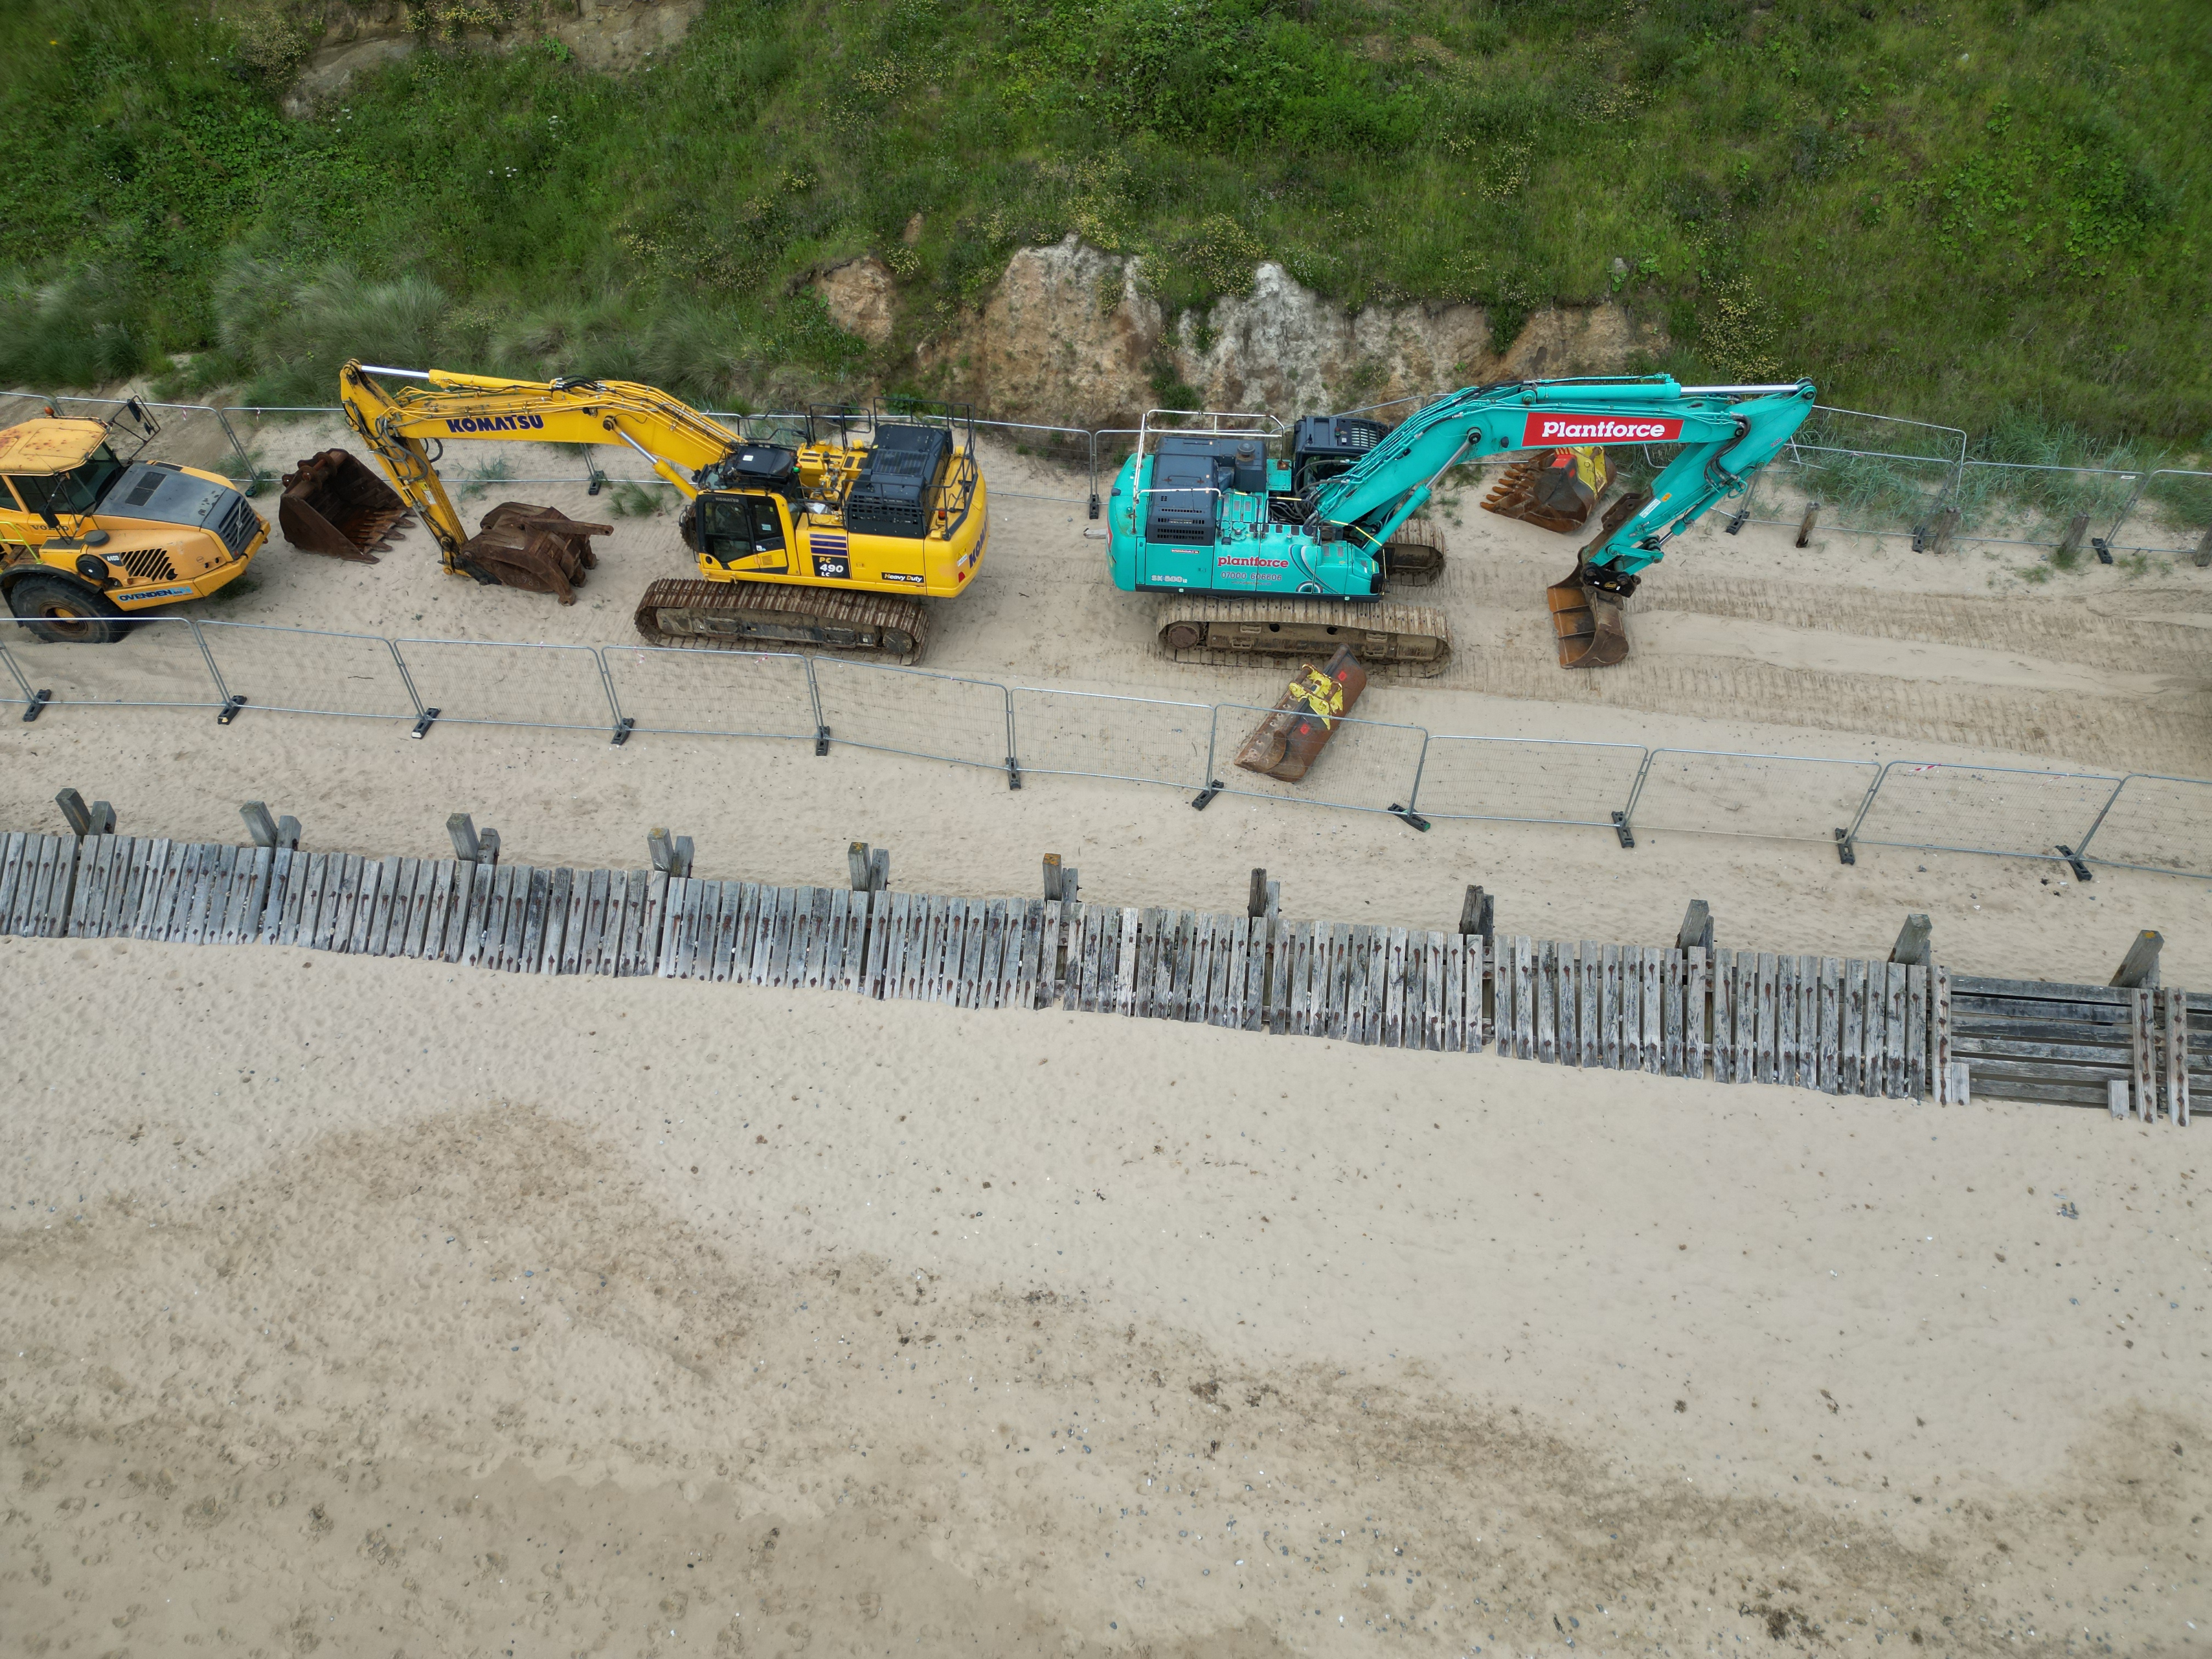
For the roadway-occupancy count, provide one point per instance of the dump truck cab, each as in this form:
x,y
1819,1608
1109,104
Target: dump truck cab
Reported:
x,y
88,538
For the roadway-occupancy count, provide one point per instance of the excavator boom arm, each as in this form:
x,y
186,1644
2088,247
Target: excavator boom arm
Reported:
x,y
431,406
1727,432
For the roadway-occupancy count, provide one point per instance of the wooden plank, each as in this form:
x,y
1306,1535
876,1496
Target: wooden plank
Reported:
x,y
1673,994
1808,1072
1916,1031
1270,971
2142,1054
129,893
1011,925
1546,964
1631,1007
871,980
520,899
805,928
486,916
334,910
1128,952
620,950
177,889
1205,928
1876,1064
53,917
1234,959
361,917
257,863
1894,1035
703,918
188,925
408,941
896,916
1391,948
1747,1015
90,892
1524,1010
1939,1033
811,924
779,925
1766,1062
1085,951
160,858
379,914
403,907
1431,948
303,893
227,919
740,900
1570,993
448,936
990,960
1696,998
124,868
1455,994
1332,948
1827,1025
1653,1018
1373,987
2174,1036
1144,992
1851,1067
662,946
1724,984
1025,959
1298,1009
11,870
967,953
37,885
758,939
92,854
427,932
1358,941
1785,1019
603,897
858,918
220,893
214,881
1609,1019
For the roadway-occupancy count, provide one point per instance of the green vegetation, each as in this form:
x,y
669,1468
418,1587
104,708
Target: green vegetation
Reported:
x,y
1993,216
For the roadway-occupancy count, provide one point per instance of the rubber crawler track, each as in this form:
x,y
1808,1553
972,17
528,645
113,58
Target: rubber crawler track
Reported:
x,y
1412,637
851,624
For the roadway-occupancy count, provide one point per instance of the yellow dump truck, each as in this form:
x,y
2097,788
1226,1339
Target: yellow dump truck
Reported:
x,y
87,539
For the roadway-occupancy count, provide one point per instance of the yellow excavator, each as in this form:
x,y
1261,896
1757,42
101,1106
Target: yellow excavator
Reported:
x,y
826,542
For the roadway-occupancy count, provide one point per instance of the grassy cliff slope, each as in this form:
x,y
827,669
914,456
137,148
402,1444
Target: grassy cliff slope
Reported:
x,y
1968,213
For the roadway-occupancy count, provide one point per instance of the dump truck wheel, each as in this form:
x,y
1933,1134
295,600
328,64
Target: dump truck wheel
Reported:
x,y
65,613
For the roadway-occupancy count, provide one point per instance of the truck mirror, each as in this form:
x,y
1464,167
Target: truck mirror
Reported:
x,y
47,513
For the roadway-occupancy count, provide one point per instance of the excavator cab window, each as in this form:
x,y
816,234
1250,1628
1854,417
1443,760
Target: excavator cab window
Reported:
x,y
746,531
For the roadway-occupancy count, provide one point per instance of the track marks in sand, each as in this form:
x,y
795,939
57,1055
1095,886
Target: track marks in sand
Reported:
x,y
466,1381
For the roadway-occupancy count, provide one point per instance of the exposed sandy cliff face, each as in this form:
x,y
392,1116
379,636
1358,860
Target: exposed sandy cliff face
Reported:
x,y
1071,336
360,34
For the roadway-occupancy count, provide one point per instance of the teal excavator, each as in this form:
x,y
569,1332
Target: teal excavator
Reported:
x,y
1269,542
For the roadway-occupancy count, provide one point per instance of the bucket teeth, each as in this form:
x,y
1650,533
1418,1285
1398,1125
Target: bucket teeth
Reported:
x,y
334,506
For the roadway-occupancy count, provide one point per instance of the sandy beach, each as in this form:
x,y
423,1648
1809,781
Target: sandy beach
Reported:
x,y
384,1307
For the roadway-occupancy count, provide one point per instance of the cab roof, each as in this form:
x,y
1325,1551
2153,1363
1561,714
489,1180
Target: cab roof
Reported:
x,y
36,448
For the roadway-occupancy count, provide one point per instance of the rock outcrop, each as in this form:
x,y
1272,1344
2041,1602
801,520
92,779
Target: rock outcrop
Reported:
x,y
1071,336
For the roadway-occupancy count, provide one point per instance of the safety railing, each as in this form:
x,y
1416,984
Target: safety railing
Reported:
x,y
2139,821
1370,766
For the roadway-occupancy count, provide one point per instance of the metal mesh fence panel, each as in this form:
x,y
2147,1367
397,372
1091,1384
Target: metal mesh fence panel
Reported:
x,y
1951,808
723,694
911,711
307,672
2156,824
1528,780
1370,766
1710,792
1098,735
490,683
159,664
2171,513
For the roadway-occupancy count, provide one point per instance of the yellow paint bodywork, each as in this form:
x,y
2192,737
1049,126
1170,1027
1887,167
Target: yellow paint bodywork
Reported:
x,y
397,427
148,563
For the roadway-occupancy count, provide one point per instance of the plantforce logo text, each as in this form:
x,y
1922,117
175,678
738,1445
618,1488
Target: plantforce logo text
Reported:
x,y
1597,429
497,423
1253,564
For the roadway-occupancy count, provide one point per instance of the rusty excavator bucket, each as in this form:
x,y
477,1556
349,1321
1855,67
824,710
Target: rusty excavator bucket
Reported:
x,y
1555,491
334,505
540,549
1590,624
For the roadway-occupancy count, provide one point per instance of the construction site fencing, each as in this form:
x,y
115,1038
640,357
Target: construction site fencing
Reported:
x,y
1370,766
1717,792
684,691
160,663
2011,811
1528,780
304,671
1094,734
2139,821
915,711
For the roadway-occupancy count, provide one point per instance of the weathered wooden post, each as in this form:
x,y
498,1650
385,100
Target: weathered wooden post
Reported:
x,y
1914,946
672,855
1805,524
1697,930
2202,556
470,844
1478,915
2069,545
97,819
2139,968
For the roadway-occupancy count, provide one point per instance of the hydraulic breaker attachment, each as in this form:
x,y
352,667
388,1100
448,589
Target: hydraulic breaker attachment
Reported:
x,y
1555,491
334,505
540,549
1587,613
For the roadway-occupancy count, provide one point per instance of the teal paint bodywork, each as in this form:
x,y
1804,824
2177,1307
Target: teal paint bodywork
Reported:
x,y
1327,543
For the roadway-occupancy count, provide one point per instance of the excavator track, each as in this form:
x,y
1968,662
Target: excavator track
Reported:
x,y
741,616
1195,629
1414,555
